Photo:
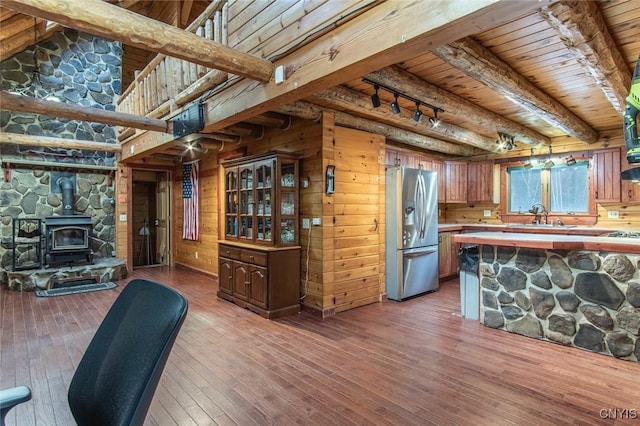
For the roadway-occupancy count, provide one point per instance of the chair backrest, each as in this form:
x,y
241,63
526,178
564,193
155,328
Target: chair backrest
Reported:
x,y
119,372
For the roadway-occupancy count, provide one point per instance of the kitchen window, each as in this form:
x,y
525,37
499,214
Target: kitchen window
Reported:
x,y
561,189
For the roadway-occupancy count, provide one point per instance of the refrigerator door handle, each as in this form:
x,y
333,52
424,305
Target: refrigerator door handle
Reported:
x,y
419,253
421,201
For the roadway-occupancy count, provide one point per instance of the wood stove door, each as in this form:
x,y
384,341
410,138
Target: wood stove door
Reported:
x,y
161,223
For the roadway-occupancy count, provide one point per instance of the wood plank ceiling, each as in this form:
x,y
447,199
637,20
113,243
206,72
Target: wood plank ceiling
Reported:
x,y
562,72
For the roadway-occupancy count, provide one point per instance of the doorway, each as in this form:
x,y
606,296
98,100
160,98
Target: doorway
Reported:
x,y
150,218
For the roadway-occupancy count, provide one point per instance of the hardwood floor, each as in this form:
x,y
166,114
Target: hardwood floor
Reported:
x,y
411,363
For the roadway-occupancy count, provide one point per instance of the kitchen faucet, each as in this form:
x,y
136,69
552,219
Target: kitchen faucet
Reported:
x,y
535,211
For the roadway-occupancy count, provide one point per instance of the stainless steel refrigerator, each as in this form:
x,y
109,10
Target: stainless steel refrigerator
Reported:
x,y
411,232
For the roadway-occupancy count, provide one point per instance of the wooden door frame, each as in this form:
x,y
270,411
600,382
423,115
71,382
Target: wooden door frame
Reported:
x,y
171,228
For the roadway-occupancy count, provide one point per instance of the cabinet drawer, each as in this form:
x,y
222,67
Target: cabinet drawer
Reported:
x,y
255,257
230,252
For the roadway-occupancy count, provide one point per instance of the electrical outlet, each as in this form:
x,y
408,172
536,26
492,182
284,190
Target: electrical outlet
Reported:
x,y
306,223
487,213
316,221
196,254
613,214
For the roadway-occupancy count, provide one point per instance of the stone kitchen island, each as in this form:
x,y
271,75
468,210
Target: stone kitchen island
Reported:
x,y
579,291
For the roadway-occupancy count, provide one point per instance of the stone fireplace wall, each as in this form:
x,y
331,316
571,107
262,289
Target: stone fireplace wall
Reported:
x,y
588,300
30,193
76,68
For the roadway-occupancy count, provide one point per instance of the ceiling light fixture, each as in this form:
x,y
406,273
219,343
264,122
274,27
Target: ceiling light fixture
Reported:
x,y
418,114
375,99
506,142
395,106
35,87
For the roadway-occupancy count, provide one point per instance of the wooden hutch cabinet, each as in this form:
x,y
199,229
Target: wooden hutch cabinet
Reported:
x,y
259,259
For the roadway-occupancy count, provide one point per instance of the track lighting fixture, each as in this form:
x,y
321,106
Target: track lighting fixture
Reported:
x,y
571,161
418,114
395,106
375,99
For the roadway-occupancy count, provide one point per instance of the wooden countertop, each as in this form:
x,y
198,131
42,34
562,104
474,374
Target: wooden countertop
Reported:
x,y
524,229
549,241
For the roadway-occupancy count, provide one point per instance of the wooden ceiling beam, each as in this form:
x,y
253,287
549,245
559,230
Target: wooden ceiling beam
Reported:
x,y
51,142
313,112
405,82
342,98
11,102
402,30
114,23
482,65
271,119
388,33
583,31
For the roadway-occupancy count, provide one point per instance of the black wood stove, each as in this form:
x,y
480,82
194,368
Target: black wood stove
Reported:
x,y
68,235
68,239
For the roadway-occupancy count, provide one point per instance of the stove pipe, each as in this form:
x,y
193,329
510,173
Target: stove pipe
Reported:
x,y
66,185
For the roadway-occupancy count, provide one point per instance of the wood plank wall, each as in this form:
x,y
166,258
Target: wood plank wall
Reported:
x,y
202,254
343,270
358,221
123,228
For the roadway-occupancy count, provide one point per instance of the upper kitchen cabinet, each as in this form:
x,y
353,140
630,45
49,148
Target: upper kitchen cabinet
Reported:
x,y
399,158
630,191
261,200
606,175
456,181
481,182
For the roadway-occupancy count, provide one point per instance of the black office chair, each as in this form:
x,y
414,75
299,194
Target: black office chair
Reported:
x,y
119,372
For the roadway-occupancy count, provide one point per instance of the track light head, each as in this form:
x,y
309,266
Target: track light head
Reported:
x,y
395,108
571,161
375,99
434,120
418,114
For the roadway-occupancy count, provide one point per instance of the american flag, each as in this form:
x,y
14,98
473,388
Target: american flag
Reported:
x,y
190,214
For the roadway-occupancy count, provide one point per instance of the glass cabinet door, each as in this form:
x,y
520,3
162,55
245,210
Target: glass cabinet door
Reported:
x,y
264,195
288,203
246,203
261,200
231,202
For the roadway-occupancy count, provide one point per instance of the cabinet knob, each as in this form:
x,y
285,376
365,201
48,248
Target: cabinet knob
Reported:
x,y
251,257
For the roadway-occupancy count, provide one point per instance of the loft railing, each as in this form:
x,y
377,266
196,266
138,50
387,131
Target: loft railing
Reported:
x,y
156,90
